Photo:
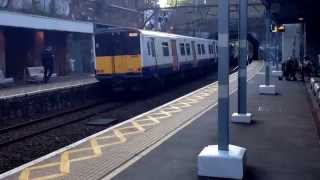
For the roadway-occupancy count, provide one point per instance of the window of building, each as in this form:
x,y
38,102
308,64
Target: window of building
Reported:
x,y
199,49
188,49
182,49
165,49
203,49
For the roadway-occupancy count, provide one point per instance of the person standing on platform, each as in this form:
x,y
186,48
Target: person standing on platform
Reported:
x,y
306,68
47,62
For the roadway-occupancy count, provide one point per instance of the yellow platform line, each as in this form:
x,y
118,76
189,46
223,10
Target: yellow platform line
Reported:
x,y
24,175
138,126
105,137
121,137
53,176
96,147
65,163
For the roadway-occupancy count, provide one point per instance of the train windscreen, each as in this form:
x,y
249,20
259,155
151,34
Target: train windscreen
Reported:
x,y
117,43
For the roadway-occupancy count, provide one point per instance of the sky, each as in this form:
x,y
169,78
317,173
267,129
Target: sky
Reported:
x,y
163,3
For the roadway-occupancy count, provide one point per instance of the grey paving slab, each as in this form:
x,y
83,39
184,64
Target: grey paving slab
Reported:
x,y
282,142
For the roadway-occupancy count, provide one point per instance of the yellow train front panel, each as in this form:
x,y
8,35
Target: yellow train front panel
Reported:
x,y
105,65
123,64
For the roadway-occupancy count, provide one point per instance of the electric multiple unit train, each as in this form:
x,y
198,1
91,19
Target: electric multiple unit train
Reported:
x,y
127,56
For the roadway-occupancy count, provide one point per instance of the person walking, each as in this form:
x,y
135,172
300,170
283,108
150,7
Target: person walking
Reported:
x,y
47,62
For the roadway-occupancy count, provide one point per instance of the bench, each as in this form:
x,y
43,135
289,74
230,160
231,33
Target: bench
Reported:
x,y
35,74
4,80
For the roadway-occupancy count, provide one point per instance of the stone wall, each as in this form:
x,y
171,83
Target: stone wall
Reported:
x,y
49,103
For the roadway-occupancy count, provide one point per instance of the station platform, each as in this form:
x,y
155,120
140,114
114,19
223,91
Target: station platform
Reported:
x,y
22,102
164,143
17,90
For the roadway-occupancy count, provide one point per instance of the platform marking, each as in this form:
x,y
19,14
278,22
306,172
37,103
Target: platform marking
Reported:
x,y
96,147
138,125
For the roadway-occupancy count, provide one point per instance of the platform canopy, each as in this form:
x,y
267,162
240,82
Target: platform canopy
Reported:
x,y
293,11
13,19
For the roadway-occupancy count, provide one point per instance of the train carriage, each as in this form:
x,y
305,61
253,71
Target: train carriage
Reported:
x,y
128,55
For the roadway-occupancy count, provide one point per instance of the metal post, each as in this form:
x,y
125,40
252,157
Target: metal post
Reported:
x,y
277,45
267,51
93,40
242,78
305,39
223,75
302,54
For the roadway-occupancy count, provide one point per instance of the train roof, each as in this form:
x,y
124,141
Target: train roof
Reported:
x,y
153,33
162,34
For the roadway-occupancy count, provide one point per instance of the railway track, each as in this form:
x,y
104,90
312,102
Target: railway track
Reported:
x,y
29,129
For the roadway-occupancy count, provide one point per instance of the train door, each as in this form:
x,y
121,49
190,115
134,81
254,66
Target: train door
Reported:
x,y
153,52
174,55
194,54
215,52
150,59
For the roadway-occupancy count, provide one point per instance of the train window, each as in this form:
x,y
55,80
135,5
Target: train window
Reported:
x,y
199,49
165,49
182,49
188,49
203,49
149,48
210,49
115,44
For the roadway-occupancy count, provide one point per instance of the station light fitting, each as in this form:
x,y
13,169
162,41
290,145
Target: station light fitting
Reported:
x,y
300,18
133,34
277,28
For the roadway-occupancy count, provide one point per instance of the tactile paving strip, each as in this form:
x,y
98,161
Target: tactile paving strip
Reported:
x,y
109,149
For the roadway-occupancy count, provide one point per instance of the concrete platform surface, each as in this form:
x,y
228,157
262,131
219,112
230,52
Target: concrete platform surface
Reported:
x,y
103,153
17,90
282,142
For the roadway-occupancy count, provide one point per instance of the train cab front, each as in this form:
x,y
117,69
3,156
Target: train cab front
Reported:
x,y
118,56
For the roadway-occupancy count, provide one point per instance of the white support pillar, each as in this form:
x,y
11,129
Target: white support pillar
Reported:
x,y
267,88
242,116
223,160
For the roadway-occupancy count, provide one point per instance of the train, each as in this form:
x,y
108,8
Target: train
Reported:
x,y
134,58
127,56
